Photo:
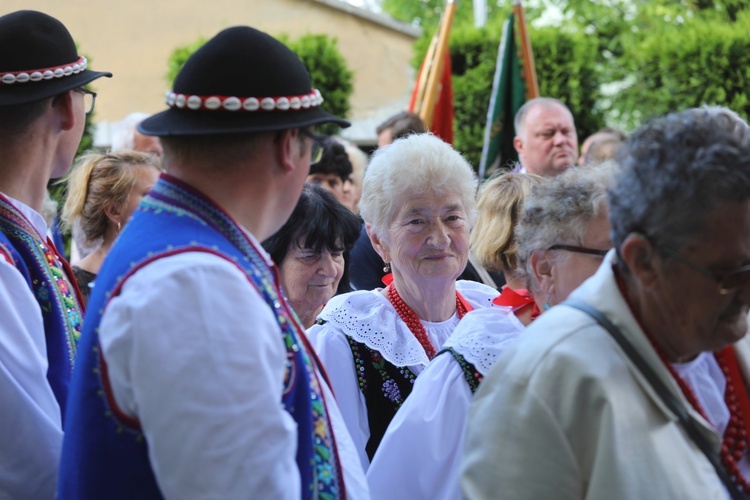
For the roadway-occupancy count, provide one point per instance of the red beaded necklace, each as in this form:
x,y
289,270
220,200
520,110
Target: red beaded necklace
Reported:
x,y
734,442
412,320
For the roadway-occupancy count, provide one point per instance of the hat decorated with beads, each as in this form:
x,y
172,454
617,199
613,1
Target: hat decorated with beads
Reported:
x,y
242,80
38,59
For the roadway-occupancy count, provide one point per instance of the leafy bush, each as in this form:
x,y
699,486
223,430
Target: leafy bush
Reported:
x,y
566,69
328,72
702,62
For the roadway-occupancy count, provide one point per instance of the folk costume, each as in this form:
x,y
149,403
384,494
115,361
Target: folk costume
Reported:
x,y
40,305
171,248
373,358
429,428
195,378
565,413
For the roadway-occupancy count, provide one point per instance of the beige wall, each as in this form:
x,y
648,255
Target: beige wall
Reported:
x,y
134,38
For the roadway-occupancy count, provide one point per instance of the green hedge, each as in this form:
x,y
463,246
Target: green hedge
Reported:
x,y
566,69
703,62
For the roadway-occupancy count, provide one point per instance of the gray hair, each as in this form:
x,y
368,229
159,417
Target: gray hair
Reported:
x,y
558,210
545,102
124,135
416,165
676,171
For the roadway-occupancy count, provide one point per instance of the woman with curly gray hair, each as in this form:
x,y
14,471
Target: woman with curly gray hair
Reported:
x,y
560,239
418,206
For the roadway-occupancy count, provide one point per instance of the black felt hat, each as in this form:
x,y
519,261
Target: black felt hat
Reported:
x,y
38,59
242,80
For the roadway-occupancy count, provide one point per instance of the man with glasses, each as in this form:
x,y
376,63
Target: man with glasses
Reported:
x,y
634,387
195,377
42,117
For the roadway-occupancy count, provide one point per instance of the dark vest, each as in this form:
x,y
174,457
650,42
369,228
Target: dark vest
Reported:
x,y
105,454
385,387
472,376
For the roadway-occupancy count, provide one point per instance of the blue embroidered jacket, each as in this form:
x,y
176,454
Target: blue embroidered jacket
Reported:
x,y
51,281
105,454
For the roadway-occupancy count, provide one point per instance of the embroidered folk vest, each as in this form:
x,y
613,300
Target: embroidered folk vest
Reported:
x,y
50,280
105,454
385,387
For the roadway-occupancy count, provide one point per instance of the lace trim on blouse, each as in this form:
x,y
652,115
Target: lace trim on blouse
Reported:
x,y
368,317
483,335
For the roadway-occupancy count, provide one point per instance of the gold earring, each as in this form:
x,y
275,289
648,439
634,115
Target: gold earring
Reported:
x,y
387,267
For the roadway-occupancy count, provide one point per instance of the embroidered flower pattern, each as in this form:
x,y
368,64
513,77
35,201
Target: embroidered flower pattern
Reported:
x,y
391,391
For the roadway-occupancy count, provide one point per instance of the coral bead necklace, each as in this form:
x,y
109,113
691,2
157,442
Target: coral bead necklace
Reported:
x,y
412,320
734,442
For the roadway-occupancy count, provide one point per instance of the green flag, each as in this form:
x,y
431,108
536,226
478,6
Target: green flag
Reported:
x,y
508,95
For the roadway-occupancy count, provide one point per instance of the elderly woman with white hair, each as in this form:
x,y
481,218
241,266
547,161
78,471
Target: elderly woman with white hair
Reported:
x,y
561,237
418,204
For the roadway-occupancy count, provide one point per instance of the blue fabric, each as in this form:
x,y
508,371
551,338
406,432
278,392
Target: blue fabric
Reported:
x,y
50,281
105,454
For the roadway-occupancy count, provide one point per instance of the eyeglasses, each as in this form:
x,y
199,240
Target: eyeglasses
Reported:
x,y
727,282
586,250
316,153
89,98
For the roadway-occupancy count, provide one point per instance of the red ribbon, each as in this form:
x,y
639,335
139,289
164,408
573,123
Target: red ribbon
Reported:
x,y
517,299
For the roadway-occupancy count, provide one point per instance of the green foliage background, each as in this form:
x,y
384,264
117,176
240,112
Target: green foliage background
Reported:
x,y
566,69
320,54
614,62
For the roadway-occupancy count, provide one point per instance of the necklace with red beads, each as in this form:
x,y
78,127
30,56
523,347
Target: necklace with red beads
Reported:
x,y
734,442
412,321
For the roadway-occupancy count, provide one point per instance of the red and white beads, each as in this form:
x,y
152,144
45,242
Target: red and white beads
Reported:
x,y
38,75
251,104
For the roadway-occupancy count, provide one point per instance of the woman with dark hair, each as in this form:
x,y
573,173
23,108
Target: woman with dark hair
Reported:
x,y
312,251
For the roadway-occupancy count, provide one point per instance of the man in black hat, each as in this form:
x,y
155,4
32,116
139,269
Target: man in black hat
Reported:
x,y
43,107
195,378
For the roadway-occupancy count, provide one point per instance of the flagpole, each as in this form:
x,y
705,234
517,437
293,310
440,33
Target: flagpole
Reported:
x,y
529,69
424,71
427,108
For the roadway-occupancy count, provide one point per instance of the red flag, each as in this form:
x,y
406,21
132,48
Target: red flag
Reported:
x,y
442,119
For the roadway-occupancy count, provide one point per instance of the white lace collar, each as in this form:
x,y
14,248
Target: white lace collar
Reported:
x,y
484,334
368,317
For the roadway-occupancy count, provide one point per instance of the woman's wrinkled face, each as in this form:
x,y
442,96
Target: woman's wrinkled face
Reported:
x,y
428,238
145,179
310,278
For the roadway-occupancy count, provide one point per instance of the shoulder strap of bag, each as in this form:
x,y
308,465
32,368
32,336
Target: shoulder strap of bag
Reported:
x,y
669,399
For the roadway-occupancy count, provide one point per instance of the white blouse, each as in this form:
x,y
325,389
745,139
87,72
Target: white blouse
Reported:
x,y
420,454
368,317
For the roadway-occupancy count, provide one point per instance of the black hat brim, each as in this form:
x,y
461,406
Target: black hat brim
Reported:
x,y
176,122
28,92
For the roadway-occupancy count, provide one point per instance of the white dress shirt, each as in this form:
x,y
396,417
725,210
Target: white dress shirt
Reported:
x,y
196,355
